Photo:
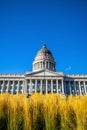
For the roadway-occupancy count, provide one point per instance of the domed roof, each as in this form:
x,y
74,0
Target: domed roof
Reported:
x,y
49,62
44,50
41,53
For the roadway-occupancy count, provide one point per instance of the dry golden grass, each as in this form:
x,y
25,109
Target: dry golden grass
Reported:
x,y
43,112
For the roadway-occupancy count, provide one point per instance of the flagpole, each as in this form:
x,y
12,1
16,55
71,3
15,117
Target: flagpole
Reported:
x,y
44,75
44,79
44,63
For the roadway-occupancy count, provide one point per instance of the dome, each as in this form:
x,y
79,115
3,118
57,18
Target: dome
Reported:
x,y
44,49
49,62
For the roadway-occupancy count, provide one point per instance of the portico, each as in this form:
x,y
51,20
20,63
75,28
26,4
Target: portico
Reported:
x,y
48,83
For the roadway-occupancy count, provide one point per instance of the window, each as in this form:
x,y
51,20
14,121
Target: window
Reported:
x,y
5,87
6,82
77,87
33,85
59,81
82,87
38,84
1,82
54,86
16,82
59,85
11,82
72,92
49,84
77,92
49,91
21,82
81,82
10,87
82,93
20,87
72,83
15,87
86,83
77,83
28,87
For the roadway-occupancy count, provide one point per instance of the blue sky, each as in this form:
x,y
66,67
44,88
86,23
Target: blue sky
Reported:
x,y
27,24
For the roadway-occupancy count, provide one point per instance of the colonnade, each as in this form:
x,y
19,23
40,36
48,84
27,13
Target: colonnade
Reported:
x,y
44,86
76,88
47,65
12,87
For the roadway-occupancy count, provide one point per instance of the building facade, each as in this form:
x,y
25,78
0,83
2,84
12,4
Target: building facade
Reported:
x,y
43,79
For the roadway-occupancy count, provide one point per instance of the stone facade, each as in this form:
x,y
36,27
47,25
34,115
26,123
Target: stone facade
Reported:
x,y
43,79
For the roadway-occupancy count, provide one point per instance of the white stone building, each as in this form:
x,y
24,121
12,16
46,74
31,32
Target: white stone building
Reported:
x,y
43,79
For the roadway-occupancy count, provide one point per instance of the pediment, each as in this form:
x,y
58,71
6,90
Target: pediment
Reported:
x,y
41,73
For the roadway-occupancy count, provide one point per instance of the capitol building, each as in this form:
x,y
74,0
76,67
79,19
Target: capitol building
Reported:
x,y
43,79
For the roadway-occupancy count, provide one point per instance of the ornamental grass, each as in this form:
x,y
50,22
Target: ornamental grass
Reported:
x,y
43,112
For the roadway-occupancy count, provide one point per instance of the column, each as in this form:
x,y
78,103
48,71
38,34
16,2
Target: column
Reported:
x,y
62,87
46,88
25,88
70,88
18,91
30,86
79,88
8,86
51,86
41,86
57,86
75,88
65,85
84,87
35,86
3,86
12,90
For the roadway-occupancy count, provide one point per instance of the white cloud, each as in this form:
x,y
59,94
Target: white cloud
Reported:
x,y
68,68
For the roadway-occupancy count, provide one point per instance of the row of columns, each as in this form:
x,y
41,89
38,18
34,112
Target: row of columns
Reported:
x,y
75,88
45,86
40,65
80,91
25,84
13,89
